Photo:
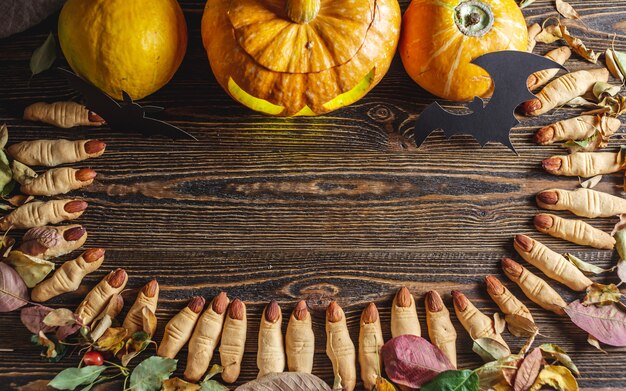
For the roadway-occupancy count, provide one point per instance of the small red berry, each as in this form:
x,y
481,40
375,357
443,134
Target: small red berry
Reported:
x,y
93,358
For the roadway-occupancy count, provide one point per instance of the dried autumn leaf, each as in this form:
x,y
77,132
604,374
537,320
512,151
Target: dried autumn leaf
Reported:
x,y
621,270
457,380
553,351
591,182
566,10
178,384
613,67
577,45
59,317
113,339
19,199
549,34
493,372
412,361
602,89
32,269
579,101
149,320
520,326
528,370
136,344
22,173
606,323
6,245
585,267
557,377
601,294
590,144
48,344
286,381
525,3
383,384
13,291
32,318
498,323
593,341
489,349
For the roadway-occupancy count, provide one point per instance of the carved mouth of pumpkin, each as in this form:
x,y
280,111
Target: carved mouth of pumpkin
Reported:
x,y
267,107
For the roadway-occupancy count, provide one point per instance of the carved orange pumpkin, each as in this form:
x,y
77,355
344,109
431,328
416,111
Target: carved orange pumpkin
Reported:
x,y
300,57
440,39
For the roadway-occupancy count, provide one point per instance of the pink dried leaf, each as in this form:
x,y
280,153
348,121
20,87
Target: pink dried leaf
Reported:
x,y
413,361
607,323
13,291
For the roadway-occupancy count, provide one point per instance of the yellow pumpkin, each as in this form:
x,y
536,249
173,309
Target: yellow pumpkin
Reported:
x,y
441,37
300,57
130,45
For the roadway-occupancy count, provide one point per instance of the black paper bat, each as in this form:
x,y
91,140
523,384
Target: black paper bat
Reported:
x,y
126,117
509,71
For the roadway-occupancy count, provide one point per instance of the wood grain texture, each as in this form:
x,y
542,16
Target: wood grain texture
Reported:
x,y
340,206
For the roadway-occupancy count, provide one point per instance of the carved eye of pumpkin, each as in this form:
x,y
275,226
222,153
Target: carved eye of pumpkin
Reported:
x,y
300,57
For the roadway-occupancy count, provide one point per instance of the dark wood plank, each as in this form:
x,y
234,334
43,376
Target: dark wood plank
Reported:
x,y
339,206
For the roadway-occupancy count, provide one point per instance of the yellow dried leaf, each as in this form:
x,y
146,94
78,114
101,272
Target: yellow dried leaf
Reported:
x,y
557,377
549,34
149,321
383,384
113,339
178,384
32,269
601,294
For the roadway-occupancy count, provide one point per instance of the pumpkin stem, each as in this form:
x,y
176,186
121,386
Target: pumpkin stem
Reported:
x,y
473,18
302,11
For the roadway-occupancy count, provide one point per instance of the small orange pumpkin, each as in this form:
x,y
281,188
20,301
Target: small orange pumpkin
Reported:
x,y
441,37
300,57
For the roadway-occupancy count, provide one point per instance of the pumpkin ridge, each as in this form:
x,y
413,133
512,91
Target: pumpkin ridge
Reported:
x,y
454,66
282,50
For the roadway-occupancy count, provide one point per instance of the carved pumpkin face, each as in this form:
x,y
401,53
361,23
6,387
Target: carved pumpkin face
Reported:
x,y
300,57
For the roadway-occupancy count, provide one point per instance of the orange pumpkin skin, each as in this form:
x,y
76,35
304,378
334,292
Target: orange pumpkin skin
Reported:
x,y
300,67
437,54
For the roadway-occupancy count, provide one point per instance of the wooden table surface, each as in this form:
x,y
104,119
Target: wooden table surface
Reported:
x,y
334,207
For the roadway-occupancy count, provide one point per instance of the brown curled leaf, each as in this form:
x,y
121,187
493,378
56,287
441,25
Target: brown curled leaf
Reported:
x,y
577,45
600,294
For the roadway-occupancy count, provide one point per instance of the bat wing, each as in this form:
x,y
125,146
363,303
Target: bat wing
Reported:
x,y
509,70
151,126
435,117
97,101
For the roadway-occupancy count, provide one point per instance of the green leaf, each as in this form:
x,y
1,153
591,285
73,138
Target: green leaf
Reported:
x,y
4,135
216,369
585,267
489,349
464,380
150,373
43,57
70,378
620,60
212,385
